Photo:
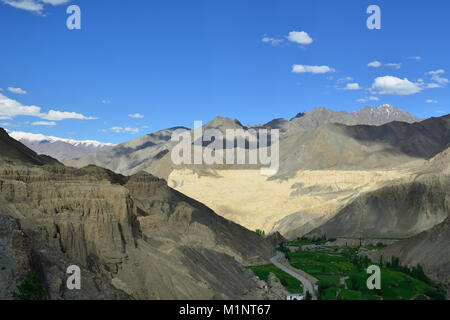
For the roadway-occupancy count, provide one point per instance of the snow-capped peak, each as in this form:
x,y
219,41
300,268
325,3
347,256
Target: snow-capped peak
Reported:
x,y
385,108
33,137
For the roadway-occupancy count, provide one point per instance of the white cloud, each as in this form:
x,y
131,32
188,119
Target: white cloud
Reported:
x,y
371,98
117,129
439,81
394,65
348,86
43,123
298,68
106,101
55,2
377,64
395,86
345,79
127,130
62,115
10,109
36,6
415,58
352,86
440,71
136,116
273,41
17,90
131,130
28,5
374,64
431,101
300,37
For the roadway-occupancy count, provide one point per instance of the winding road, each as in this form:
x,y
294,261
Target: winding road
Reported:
x,y
307,285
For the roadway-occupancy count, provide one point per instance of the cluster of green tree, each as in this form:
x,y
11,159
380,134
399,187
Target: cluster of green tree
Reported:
x,y
436,293
308,295
262,233
415,272
282,248
349,252
361,263
30,289
316,240
283,281
381,245
323,285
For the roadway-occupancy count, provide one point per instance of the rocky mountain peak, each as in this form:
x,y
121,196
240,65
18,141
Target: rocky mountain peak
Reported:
x,y
224,123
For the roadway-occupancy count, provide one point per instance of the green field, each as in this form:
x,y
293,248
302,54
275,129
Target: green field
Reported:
x,y
342,274
291,284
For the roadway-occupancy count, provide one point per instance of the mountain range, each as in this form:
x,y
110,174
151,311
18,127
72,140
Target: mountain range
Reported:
x,y
151,152
376,173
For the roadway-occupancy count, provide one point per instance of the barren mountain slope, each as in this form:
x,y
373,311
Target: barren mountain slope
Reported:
x,y
396,211
147,153
340,147
400,210
297,204
430,249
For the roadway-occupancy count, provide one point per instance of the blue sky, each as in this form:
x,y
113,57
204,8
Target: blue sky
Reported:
x,y
169,62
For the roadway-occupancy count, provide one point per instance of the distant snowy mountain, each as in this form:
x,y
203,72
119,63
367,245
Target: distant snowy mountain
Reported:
x,y
59,148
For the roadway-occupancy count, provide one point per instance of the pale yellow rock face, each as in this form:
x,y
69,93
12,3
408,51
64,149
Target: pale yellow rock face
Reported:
x,y
252,200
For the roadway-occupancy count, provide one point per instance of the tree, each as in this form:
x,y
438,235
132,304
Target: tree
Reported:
x,y
322,287
366,261
394,264
308,296
260,232
30,289
354,284
435,294
283,281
